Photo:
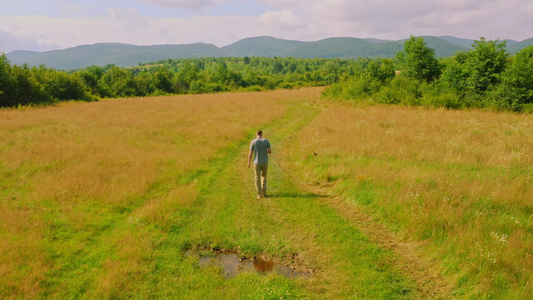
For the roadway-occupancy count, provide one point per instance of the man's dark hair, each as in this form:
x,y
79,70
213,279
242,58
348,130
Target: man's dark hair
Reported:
x,y
259,132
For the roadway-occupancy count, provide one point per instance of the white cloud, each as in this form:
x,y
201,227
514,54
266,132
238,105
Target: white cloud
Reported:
x,y
459,4
288,4
73,10
284,20
127,26
288,19
11,42
398,19
185,4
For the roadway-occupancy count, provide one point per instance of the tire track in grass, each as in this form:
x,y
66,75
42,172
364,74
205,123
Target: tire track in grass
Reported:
x,y
347,263
408,259
226,215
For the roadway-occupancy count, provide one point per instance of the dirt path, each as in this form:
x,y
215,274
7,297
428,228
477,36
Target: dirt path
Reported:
x,y
410,259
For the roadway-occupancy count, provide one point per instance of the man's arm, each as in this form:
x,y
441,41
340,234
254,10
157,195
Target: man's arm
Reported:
x,y
250,157
269,150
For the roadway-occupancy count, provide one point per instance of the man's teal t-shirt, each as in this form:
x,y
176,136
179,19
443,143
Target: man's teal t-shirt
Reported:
x,y
260,148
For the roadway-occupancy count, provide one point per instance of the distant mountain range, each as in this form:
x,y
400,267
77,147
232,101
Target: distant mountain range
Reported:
x,y
124,55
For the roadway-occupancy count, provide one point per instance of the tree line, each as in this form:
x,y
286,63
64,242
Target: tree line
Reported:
x,y
484,77
24,85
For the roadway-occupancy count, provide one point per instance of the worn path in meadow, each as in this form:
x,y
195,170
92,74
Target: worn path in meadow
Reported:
x,y
409,257
305,226
294,226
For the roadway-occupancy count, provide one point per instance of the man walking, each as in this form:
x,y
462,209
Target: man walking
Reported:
x,y
260,148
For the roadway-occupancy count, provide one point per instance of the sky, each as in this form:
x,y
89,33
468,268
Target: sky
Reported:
x,y
42,25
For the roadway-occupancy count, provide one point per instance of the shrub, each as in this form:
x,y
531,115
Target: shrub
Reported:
x,y
401,90
447,100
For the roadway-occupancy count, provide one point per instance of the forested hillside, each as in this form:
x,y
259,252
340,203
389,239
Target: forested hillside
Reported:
x,y
261,46
516,47
124,55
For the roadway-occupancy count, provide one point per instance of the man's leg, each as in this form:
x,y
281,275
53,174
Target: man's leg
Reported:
x,y
264,169
257,170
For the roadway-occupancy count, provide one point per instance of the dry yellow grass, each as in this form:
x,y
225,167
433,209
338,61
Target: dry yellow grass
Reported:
x,y
95,179
115,148
462,179
61,165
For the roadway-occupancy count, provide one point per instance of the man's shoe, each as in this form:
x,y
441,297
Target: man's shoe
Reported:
x,y
259,196
264,195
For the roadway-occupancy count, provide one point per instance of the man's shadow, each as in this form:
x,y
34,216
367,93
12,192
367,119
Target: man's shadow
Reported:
x,y
296,195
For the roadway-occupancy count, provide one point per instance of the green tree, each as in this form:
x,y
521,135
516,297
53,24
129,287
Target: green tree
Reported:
x,y
64,86
418,60
516,88
277,67
163,79
455,74
27,88
91,77
143,84
485,62
6,83
117,82
292,67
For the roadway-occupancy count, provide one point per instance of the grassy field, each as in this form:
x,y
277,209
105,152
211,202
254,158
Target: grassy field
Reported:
x,y
459,180
105,199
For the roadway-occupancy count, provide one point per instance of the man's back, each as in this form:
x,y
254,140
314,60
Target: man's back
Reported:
x,y
260,148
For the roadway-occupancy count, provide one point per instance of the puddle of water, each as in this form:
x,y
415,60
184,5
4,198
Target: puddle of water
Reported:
x,y
233,265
